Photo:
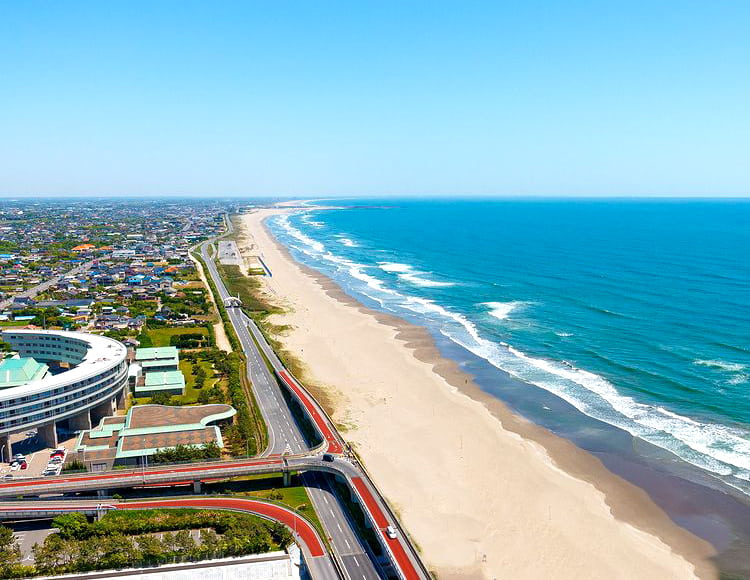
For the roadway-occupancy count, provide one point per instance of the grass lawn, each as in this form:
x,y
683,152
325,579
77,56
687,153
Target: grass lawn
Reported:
x,y
270,487
14,323
161,336
191,393
192,286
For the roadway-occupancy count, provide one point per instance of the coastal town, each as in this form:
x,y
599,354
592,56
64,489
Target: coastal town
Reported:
x,y
105,267
131,324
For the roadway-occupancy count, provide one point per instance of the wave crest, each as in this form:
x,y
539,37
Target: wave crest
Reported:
x,y
721,449
502,310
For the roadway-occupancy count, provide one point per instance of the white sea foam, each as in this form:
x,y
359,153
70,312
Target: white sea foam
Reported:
x,y
394,267
501,310
721,365
425,282
409,274
718,448
348,242
307,218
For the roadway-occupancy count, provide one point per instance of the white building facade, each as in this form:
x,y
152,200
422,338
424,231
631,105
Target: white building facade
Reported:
x,y
90,381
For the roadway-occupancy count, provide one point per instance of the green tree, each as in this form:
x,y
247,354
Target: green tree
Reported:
x,y
200,378
10,553
161,399
210,544
185,545
118,551
50,556
211,450
72,525
152,549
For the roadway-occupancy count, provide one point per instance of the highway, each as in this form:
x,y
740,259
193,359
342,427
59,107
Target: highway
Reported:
x,y
284,432
310,542
285,436
287,451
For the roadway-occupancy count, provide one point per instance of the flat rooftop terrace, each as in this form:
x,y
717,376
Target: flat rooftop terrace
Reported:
x,y
155,416
156,353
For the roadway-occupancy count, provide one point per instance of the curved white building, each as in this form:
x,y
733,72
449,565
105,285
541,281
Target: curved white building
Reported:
x,y
74,377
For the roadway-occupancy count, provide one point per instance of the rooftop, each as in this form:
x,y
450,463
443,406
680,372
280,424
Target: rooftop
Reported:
x,y
101,353
19,371
154,416
148,428
156,353
165,379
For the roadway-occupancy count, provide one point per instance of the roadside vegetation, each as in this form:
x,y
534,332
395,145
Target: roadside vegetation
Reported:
x,y
248,289
270,487
206,452
181,337
248,420
128,539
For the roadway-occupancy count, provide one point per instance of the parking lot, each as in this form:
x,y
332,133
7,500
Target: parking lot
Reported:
x,y
37,454
28,533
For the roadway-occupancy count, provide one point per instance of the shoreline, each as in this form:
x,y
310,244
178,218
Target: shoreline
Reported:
x,y
630,509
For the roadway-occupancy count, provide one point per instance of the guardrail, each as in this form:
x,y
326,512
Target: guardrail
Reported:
x,y
279,368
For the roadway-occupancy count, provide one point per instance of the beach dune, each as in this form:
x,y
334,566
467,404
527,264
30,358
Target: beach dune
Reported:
x,y
482,492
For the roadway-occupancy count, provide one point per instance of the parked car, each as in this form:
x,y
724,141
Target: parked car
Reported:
x,y
24,465
328,457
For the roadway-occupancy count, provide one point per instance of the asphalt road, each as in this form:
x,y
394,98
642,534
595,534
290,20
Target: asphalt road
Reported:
x,y
285,436
28,533
44,286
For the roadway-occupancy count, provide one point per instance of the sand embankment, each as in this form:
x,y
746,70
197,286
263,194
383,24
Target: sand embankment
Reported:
x,y
483,492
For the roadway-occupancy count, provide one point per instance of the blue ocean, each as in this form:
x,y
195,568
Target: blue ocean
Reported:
x,y
636,313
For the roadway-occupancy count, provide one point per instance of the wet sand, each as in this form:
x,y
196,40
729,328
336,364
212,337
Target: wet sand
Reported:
x,y
483,492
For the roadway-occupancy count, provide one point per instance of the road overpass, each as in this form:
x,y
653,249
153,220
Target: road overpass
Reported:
x,y
284,432
288,451
285,435
312,545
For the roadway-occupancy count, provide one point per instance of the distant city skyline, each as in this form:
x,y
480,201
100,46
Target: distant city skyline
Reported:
x,y
301,100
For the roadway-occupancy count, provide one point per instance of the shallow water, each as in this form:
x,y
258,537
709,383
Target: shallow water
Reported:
x,y
635,313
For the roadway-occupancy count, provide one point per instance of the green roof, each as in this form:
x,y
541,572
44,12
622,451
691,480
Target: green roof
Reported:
x,y
150,433
156,353
19,371
165,378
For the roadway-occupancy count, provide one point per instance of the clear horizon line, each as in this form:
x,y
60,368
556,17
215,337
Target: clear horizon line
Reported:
x,y
425,196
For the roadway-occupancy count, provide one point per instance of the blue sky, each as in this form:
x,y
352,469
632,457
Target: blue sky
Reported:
x,y
368,98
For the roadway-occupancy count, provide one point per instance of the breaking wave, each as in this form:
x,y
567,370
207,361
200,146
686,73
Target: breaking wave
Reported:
x,y
502,310
408,274
721,449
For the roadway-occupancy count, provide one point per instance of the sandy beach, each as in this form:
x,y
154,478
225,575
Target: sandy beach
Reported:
x,y
482,492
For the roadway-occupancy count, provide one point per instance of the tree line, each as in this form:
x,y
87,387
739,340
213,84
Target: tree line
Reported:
x,y
140,538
